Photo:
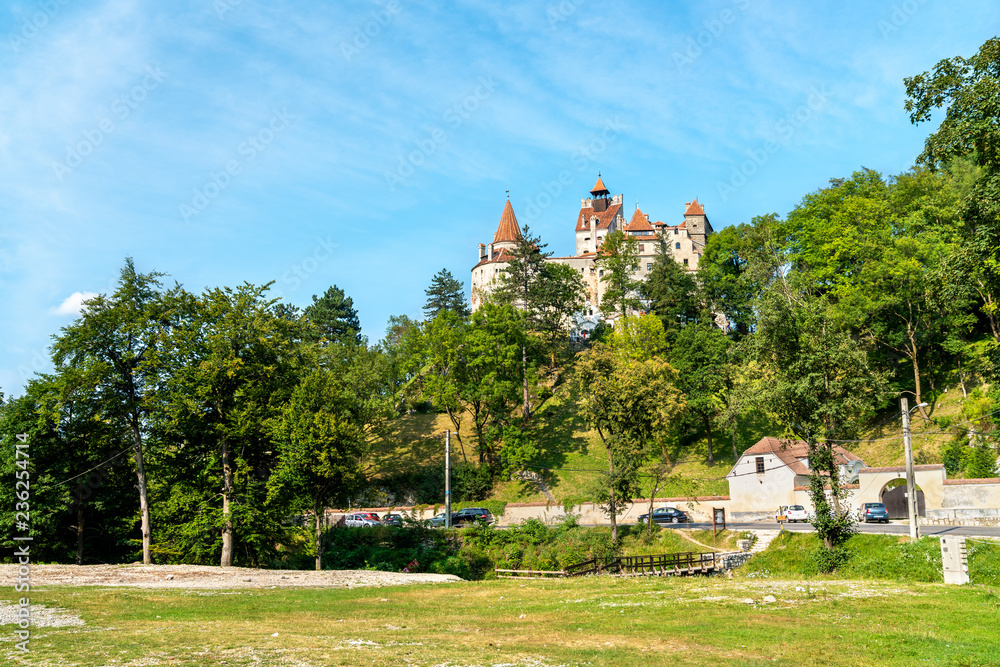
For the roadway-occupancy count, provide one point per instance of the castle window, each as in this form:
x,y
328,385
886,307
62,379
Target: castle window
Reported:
x,y
685,261
642,247
760,465
675,230
649,266
677,245
601,273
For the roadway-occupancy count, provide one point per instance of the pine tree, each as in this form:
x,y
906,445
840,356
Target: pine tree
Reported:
x,y
445,293
334,317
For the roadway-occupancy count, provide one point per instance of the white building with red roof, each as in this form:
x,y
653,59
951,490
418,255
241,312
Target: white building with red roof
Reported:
x,y
600,214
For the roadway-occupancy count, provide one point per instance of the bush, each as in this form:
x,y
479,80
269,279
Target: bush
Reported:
x,y
829,560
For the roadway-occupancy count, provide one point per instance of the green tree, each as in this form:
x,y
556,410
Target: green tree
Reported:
x,y
819,383
116,340
700,355
548,294
630,401
233,369
445,293
618,258
671,292
334,318
323,433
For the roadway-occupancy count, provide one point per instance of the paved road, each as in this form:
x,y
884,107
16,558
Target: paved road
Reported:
x,y
892,528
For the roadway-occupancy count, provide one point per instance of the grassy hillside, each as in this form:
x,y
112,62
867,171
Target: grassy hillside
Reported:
x,y
572,457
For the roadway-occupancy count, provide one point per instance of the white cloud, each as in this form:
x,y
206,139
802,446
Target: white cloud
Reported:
x,y
73,305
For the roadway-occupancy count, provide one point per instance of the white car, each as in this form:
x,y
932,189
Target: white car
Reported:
x,y
791,514
362,520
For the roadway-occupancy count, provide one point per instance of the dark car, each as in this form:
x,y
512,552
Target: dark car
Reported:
x,y
873,512
665,515
392,520
472,515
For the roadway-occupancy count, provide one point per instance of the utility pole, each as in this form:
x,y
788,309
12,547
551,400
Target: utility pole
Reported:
x,y
911,486
447,479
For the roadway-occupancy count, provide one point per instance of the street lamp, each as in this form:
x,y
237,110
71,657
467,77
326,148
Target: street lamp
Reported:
x,y
911,485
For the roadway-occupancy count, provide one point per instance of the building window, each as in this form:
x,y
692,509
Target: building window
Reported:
x,y
760,465
677,245
601,273
642,247
649,266
675,231
685,261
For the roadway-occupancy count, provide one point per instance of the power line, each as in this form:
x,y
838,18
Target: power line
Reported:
x,y
86,472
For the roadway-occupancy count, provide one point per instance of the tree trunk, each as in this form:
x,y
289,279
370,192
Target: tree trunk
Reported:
x,y
611,496
457,423
227,517
708,430
140,472
79,533
916,375
318,508
524,370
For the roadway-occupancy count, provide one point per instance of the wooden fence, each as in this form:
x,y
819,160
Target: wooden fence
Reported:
x,y
657,565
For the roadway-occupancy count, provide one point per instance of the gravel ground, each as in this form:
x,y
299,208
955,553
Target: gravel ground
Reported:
x,y
209,577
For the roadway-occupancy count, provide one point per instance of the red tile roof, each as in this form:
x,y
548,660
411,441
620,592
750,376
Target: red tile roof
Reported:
x,y
507,230
790,451
501,255
694,208
599,186
603,219
917,468
639,223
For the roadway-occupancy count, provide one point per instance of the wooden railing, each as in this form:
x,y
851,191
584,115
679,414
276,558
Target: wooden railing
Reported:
x,y
659,564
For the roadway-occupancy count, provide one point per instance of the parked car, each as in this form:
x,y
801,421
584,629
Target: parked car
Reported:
x,y
473,514
362,520
665,515
791,514
438,520
873,512
392,520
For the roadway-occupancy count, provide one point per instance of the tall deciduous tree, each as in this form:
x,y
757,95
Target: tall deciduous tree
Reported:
x,y
700,355
117,337
323,432
445,293
234,367
630,398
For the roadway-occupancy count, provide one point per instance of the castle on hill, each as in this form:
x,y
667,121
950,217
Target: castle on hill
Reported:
x,y
600,214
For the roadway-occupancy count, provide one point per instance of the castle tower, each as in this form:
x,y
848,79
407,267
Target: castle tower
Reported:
x,y
600,214
493,257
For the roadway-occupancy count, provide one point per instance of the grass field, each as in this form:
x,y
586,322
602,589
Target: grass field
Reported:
x,y
587,621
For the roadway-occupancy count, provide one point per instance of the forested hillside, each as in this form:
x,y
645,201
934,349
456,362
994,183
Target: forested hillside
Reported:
x,y
181,427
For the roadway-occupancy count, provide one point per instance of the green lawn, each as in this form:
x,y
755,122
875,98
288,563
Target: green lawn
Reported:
x,y
588,621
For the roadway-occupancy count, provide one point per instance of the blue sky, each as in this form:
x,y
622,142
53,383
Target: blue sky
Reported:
x,y
370,144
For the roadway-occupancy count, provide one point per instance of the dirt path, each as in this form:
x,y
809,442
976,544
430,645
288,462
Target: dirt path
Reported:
x,y
208,577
